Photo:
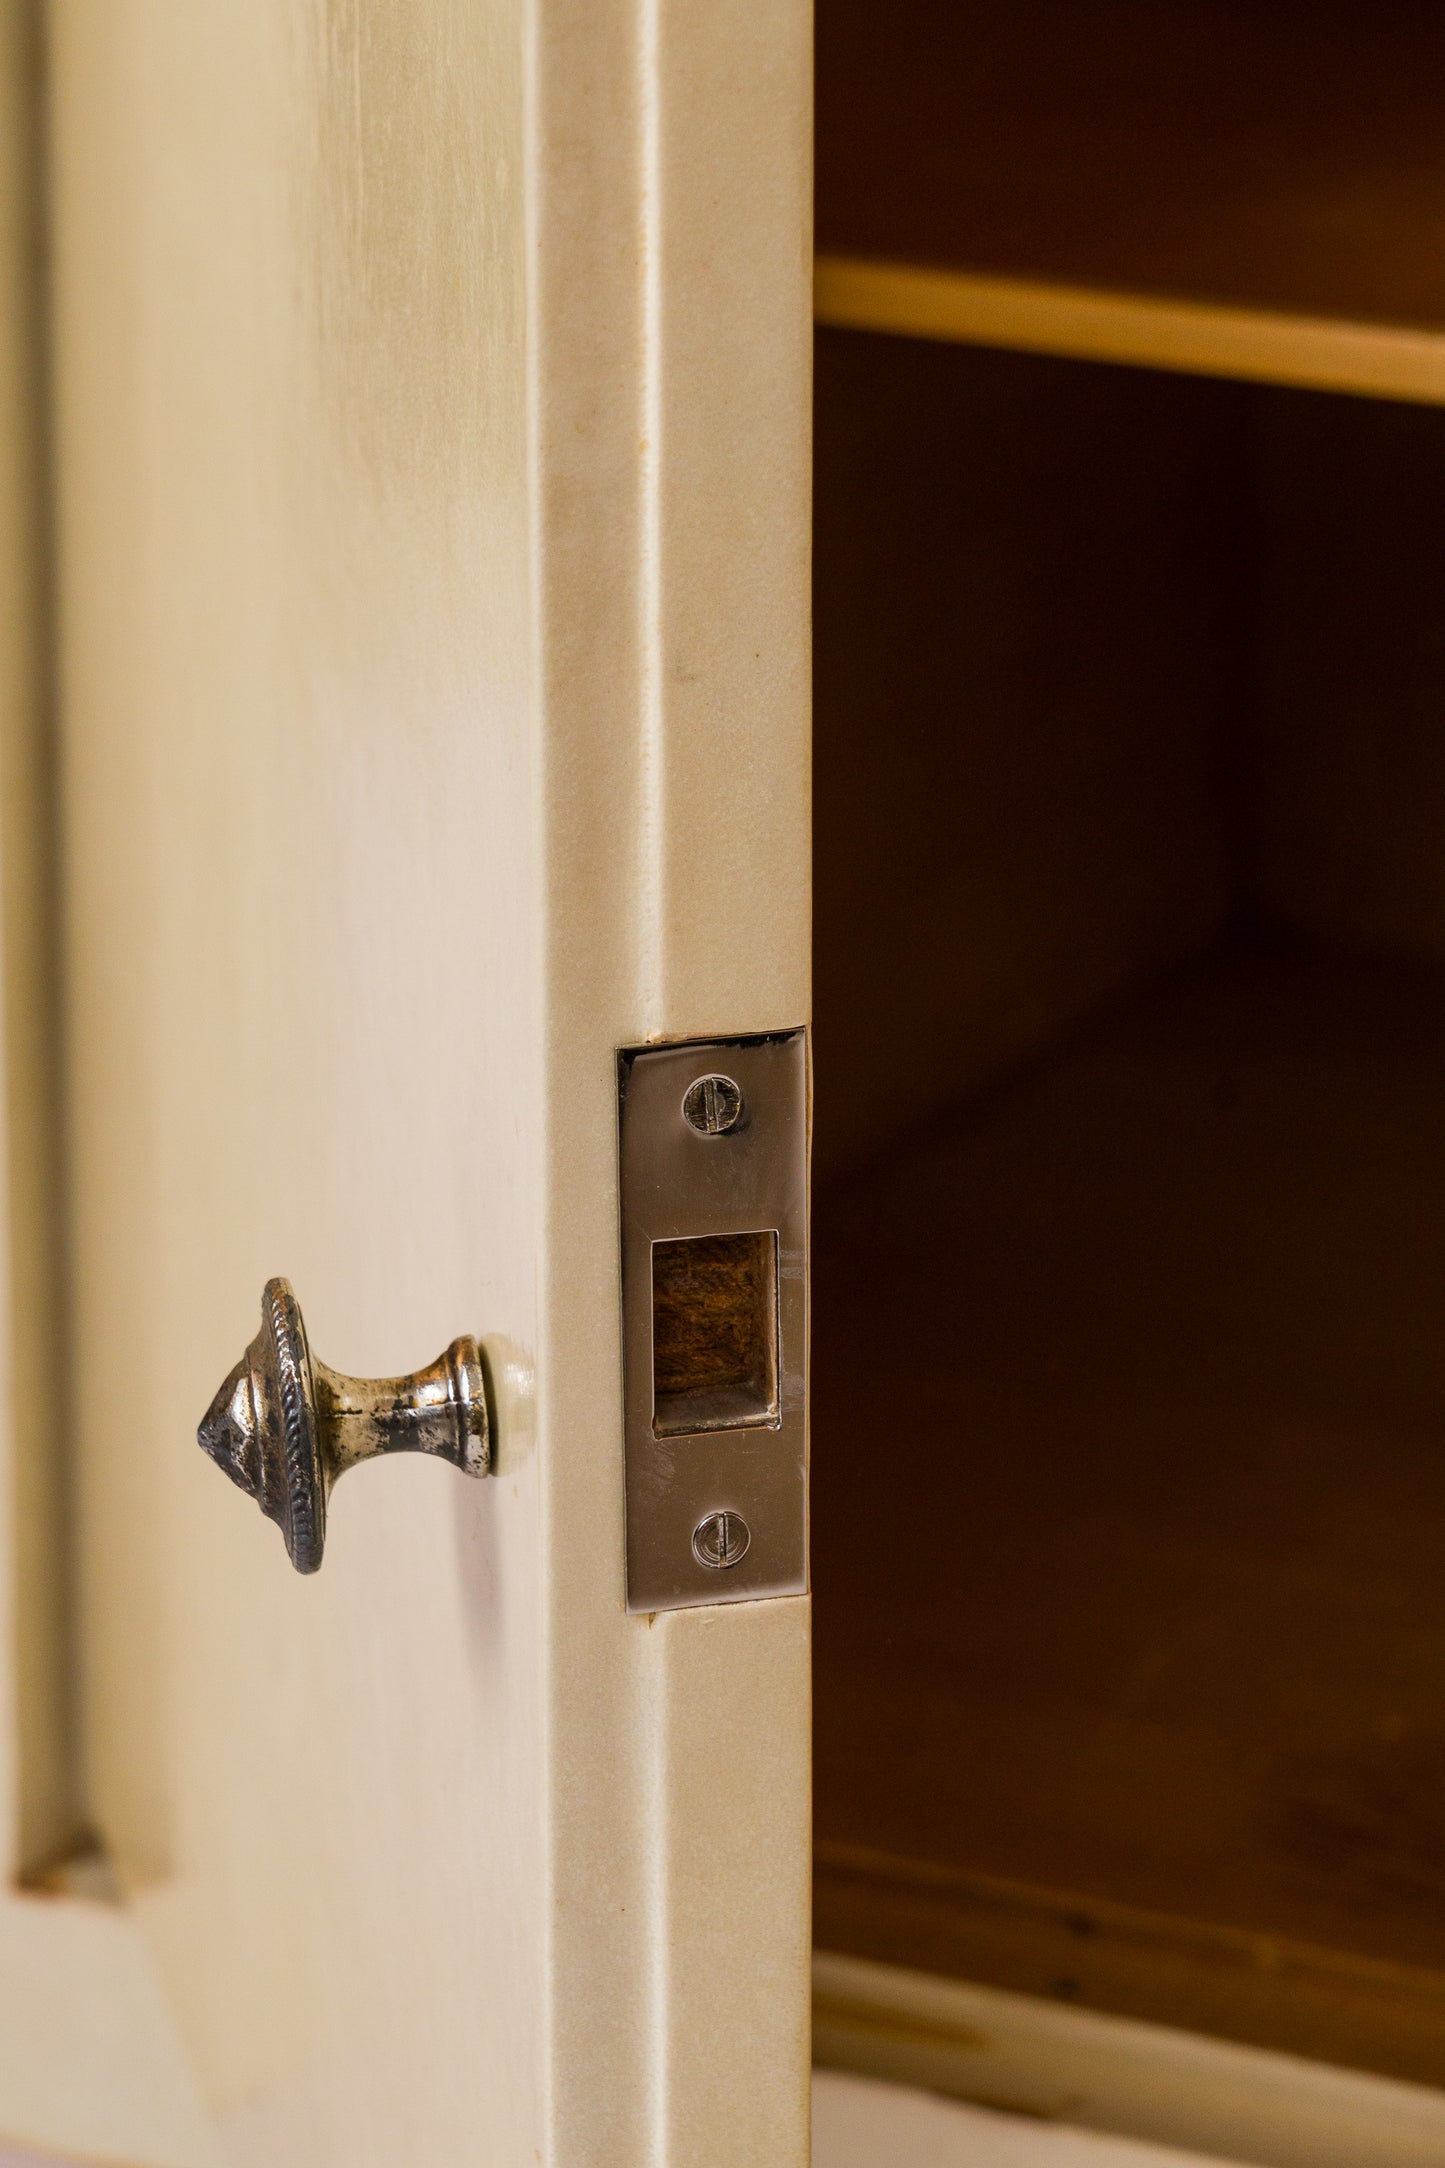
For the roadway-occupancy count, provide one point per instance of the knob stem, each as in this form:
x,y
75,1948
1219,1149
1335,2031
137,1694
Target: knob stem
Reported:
x,y
440,1410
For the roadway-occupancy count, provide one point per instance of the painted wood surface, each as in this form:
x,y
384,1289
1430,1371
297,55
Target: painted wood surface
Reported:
x,y
860,2124
89,2061
40,1810
92,2067
433,426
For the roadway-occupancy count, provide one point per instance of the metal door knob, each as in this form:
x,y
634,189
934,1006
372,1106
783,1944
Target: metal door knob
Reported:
x,y
284,1427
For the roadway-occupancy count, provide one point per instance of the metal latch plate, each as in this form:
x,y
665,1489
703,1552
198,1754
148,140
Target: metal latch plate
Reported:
x,y
714,1181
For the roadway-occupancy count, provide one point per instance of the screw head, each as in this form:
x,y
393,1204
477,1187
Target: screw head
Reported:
x,y
713,1105
721,1541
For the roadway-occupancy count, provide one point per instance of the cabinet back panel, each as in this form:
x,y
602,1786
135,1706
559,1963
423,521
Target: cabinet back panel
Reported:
x,y
1108,663
1345,781
1027,628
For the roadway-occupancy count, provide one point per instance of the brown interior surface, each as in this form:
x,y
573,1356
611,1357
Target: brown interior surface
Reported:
x,y
1133,1588
1107,664
1028,630
1269,153
1130,1562
714,1333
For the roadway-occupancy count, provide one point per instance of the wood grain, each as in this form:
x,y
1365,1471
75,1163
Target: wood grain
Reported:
x,y
1029,624
1085,1953
1131,1017
714,1332
1056,2062
1136,1592
1106,661
1040,316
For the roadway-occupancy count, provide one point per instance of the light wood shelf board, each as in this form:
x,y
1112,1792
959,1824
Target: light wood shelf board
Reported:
x,y
1325,2007
1113,2074
1035,316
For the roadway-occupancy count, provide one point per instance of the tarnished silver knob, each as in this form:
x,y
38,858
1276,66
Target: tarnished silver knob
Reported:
x,y
284,1427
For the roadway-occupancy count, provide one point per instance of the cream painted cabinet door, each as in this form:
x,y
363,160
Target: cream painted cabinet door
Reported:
x,y
431,410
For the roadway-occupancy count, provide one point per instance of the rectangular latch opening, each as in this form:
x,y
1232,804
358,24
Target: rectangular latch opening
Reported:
x,y
715,1333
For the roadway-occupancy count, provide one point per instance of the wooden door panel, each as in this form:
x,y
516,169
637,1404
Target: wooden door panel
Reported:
x,y
433,454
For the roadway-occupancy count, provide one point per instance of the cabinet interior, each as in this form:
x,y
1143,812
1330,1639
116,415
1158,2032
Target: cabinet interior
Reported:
x,y
1129,1370
1282,154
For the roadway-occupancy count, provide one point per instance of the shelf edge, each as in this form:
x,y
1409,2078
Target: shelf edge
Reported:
x,y
1120,2075
1379,361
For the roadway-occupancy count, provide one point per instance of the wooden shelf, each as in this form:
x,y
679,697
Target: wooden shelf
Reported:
x,y
1129,1452
1239,187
